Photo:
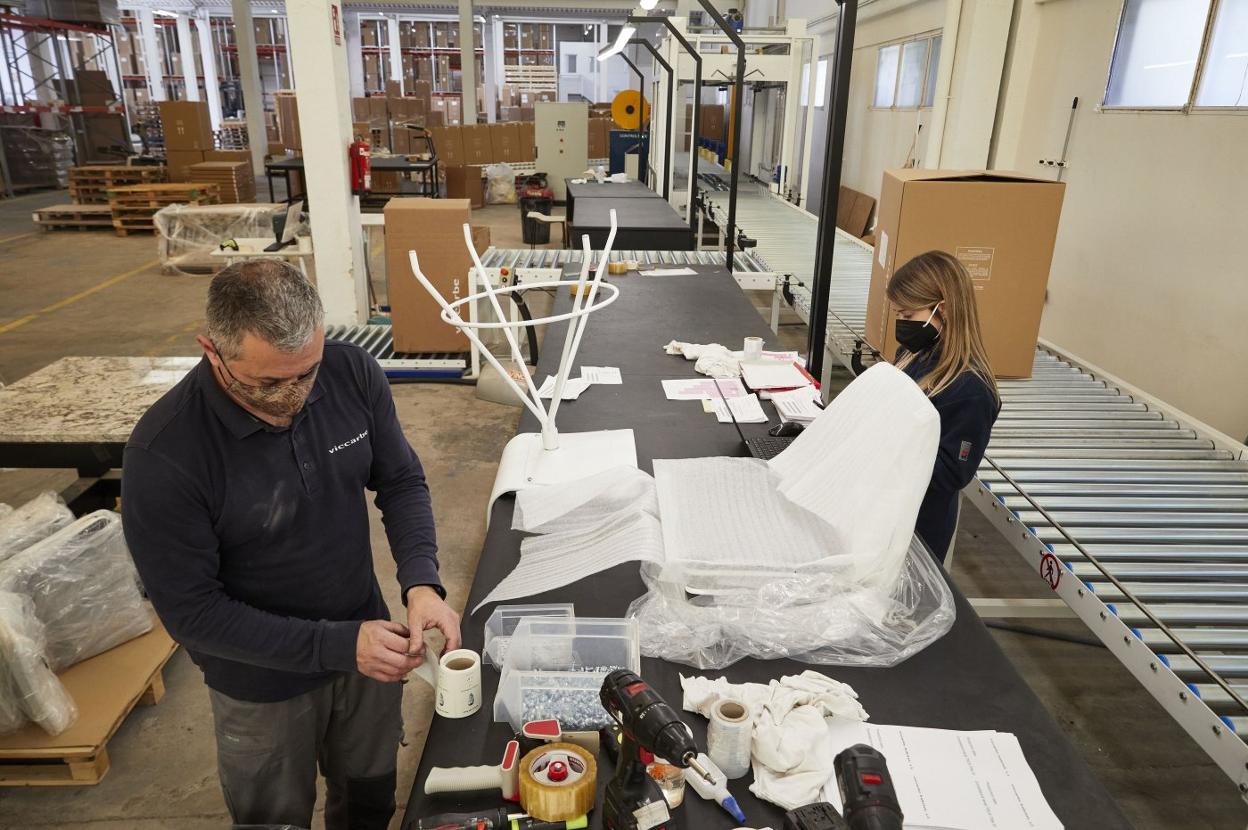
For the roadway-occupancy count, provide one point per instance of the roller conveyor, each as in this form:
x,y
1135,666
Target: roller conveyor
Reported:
x,y
1135,515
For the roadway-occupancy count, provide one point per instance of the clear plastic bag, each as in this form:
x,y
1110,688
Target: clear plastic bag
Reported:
x,y
500,184
188,234
817,618
37,519
84,587
29,689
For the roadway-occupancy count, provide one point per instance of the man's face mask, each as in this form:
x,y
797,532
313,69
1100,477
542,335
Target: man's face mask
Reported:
x,y
278,400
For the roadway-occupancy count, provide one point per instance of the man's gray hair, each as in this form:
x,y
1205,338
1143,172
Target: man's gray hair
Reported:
x,y
267,297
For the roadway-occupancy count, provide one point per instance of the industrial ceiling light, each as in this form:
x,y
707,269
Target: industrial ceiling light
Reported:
x,y
626,33
649,5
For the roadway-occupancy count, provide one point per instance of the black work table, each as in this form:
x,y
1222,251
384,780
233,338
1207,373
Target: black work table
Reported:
x,y
606,190
641,225
963,681
427,169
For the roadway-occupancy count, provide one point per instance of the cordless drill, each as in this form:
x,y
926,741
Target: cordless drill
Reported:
x,y
867,789
633,800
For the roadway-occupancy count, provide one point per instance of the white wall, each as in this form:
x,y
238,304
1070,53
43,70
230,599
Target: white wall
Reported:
x,y
1151,264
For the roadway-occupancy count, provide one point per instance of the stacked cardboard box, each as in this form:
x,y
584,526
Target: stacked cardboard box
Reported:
x,y
235,181
288,120
478,143
448,143
600,137
466,182
1002,227
188,135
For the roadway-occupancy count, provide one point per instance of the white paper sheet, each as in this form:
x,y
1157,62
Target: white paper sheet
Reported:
x,y
772,374
698,389
669,272
797,405
572,388
863,466
952,780
609,375
746,409
558,559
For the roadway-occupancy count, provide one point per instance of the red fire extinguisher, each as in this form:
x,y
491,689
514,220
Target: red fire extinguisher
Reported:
x,y
361,177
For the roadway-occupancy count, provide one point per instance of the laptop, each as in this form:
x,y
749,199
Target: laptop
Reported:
x,y
763,448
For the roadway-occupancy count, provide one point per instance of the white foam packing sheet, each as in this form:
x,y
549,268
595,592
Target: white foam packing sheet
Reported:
x,y
726,513
583,503
863,466
558,559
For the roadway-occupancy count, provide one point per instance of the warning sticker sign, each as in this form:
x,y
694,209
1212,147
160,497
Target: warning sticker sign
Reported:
x,y
976,260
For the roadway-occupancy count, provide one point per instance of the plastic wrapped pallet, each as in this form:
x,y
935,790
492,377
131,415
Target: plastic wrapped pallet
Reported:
x,y
188,234
37,519
29,689
84,587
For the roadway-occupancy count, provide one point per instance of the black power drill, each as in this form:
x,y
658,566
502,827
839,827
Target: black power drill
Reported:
x,y
650,727
867,789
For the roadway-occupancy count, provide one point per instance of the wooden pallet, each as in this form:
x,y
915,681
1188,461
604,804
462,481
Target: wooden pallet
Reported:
x,y
73,217
90,184
106,688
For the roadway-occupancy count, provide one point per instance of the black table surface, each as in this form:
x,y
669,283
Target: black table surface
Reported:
x,y
615,190
963,681
630,214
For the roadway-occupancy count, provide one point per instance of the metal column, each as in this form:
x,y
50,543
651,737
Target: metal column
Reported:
x,y
667,143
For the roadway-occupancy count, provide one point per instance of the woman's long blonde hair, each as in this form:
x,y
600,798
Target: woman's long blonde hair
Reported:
x,y
938,277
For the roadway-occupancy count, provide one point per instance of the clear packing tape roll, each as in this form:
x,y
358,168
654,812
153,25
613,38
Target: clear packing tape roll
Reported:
x,y
730,738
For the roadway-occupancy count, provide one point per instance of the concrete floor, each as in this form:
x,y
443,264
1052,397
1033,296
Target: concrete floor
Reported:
x,y
92,293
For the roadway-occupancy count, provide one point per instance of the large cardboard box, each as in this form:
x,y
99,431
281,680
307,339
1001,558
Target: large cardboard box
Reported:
x,y
179,162
433,228
288,120
504,141
1002,226
527,132
448,143
466,183
478,146
853,211
378,110
424,91
599,138
186,125
359,109
228,155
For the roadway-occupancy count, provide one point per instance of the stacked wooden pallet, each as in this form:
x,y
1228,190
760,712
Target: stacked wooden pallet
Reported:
x,y
89,185
133,207
73,217
234,179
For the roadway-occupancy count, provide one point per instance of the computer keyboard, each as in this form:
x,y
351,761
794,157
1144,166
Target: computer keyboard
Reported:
x,y
767,448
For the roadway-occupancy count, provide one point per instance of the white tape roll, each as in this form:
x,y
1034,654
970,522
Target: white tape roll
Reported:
x,y
730,737
753,348
456,682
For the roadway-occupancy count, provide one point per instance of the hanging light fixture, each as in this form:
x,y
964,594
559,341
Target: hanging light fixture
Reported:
x,y
626,33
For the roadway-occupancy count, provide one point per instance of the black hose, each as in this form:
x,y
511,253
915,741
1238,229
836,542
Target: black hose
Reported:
x,y
1041,632
518,298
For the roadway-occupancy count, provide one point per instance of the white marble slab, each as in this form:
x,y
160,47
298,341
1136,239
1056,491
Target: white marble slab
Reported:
x,y
86,399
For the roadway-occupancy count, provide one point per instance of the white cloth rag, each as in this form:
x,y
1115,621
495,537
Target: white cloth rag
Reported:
x,y
791,753
712,359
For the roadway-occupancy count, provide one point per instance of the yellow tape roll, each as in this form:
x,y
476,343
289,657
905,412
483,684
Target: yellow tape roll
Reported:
x,y
626,107
557,782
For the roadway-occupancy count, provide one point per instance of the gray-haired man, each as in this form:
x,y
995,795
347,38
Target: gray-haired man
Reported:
x,y
244,508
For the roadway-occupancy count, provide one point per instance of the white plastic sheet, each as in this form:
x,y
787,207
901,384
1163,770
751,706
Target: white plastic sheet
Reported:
x,y
37,519
580,504
29,690
84,588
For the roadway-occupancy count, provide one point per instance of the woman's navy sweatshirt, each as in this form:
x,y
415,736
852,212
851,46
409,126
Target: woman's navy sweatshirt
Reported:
x,y
967,411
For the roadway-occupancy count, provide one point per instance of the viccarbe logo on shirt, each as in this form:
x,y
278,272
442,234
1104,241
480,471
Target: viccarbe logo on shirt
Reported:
x,y
346,444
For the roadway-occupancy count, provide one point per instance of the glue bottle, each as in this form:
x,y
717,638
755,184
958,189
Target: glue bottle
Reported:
x,y
717,792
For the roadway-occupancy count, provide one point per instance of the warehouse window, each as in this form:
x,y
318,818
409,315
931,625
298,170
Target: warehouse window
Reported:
x,y
821,83
905,73
805,85
1179,54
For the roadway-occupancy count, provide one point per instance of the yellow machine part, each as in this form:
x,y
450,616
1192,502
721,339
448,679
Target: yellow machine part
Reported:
x,y
626,107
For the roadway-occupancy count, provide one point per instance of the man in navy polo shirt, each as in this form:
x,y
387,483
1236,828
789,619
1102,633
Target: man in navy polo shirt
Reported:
x,y
244,508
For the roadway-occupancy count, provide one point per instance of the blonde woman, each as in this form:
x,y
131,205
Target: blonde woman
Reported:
x,y
942,349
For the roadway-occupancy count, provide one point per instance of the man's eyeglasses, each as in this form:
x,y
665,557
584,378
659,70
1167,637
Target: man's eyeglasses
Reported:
x,y
263,389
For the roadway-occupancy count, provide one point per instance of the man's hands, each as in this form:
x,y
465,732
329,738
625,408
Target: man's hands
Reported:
x,y
381,651
425,610
387,651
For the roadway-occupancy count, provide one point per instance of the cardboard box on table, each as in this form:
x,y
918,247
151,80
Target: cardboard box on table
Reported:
x,y
1002,226
434,229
